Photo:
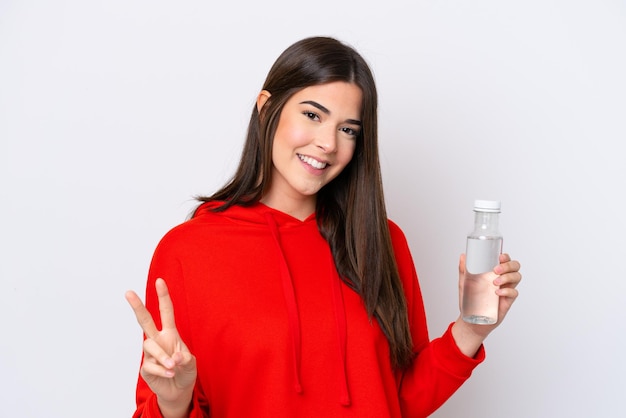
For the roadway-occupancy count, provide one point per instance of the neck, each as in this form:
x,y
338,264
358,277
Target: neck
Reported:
x,y
298,208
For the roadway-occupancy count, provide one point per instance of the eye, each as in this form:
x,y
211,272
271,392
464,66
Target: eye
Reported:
x,y
311,115
349,131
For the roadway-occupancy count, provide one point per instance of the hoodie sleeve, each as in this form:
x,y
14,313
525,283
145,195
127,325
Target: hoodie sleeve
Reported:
x,y
439,368
166,265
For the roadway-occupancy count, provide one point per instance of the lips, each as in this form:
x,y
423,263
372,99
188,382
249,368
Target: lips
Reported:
x,y
312,162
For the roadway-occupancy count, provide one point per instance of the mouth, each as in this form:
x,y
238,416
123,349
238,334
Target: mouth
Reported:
x,y
312,162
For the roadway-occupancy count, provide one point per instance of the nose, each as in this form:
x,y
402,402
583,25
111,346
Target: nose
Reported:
x,y
326,140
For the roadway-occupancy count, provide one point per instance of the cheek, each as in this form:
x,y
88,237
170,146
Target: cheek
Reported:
x,y
347,152
290,135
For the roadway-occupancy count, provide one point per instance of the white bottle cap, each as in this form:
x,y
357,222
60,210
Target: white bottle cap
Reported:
x,y
487,206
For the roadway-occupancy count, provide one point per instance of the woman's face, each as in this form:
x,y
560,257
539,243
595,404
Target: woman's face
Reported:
x,y
314,141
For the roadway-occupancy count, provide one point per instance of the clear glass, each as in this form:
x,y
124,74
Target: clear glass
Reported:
x,y
479,301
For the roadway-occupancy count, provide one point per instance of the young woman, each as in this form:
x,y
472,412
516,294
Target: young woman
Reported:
x,y
289,293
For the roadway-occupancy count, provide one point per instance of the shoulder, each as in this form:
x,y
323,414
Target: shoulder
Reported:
x,y
210,226
398,239
394,228
402,252
192,231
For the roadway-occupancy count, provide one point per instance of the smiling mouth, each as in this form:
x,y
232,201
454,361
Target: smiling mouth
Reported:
x,y
312,162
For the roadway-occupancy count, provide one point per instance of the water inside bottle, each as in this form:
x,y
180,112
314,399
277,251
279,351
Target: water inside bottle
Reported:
x,y
480,301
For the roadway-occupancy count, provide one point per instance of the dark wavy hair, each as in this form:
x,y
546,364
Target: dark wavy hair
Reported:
x,y
350,210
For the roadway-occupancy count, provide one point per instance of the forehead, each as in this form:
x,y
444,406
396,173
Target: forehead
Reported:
x,y
339,97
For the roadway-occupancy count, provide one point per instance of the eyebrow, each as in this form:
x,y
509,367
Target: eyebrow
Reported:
x,y
326,111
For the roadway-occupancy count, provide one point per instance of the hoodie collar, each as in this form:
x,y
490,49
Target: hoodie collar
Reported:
x,y
255,214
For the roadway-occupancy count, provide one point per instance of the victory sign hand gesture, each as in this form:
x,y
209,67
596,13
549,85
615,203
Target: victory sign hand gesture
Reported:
x,y
168,366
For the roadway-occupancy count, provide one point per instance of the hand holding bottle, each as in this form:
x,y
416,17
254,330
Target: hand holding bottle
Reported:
x,y
168,366
469,336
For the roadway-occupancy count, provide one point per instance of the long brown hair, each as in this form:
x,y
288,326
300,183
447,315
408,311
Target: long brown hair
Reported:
x,y
350,210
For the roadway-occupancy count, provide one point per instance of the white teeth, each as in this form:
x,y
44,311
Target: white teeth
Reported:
x,y
312,162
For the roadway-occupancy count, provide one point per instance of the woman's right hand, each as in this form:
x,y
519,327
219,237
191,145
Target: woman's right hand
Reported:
x,y
168,366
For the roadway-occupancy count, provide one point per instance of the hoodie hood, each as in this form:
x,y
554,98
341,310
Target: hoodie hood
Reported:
x,y
254,214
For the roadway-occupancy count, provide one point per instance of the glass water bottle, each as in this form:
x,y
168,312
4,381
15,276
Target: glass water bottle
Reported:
x,y
484,246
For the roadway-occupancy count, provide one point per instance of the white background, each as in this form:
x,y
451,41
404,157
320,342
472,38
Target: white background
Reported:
x,y
114,114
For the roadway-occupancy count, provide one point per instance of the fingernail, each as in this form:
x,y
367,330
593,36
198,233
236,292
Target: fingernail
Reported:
x,y
169,373
497,269
169,363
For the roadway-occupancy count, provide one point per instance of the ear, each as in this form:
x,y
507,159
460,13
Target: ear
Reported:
x,y
262,99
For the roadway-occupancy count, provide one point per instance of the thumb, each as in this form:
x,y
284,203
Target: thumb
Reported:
x,y
462,264
461,280
181,355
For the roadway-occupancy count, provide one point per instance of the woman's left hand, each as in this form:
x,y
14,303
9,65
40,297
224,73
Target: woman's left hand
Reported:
x,y
470,336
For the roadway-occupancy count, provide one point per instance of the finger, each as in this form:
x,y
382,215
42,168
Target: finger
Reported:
x,y
507,266
141,313
504,257
462,264
154,353
150,369
182,358
507,292
508,279
461,279
165,305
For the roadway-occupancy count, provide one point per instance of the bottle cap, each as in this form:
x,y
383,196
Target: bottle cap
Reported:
x,y
487,206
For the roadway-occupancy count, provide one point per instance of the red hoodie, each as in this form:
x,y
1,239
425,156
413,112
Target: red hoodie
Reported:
x,y
276,333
